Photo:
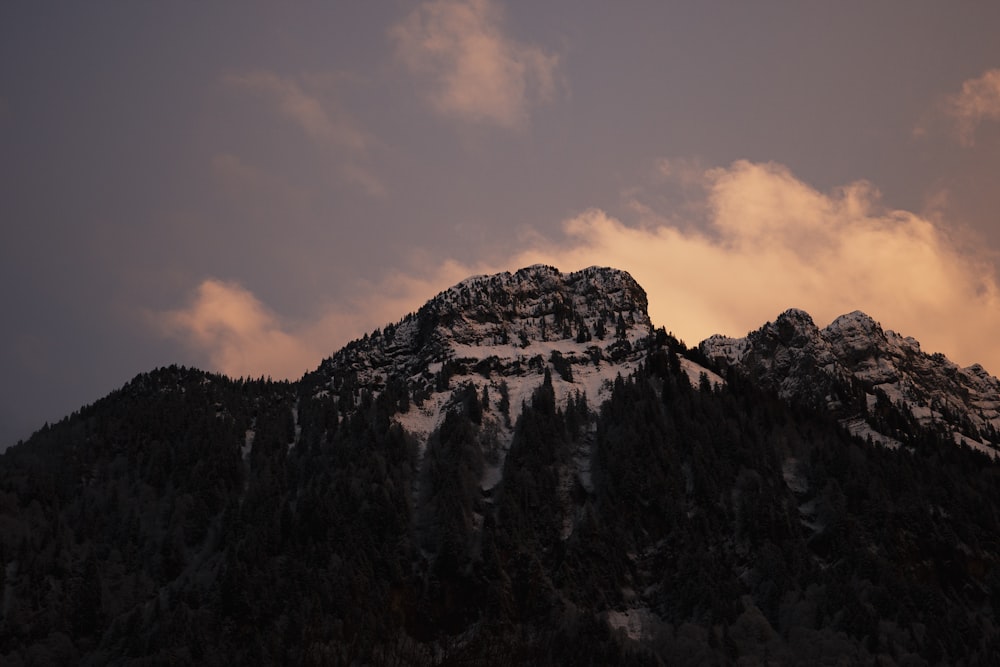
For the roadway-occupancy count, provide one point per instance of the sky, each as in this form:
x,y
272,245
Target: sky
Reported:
x,y
245,187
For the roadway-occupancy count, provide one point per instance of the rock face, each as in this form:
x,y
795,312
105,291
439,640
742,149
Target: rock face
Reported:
x,y
500,333
864,374
508,315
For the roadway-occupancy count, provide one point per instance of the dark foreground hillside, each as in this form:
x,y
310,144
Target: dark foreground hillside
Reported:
x,y
193,519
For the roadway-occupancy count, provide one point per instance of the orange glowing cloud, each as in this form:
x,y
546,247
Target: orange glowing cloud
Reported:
x,y
231,331
772,242
768,242
472,69
236,333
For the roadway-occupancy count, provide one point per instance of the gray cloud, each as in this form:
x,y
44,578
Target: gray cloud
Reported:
x,y
321,119
978,101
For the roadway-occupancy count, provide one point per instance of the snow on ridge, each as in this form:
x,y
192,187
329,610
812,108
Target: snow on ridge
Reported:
x,y
859,428
694,372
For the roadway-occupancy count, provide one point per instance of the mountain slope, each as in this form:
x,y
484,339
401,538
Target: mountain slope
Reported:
x,y
522,472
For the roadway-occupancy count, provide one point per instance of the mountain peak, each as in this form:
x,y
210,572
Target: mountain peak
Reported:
x,y
537,303
857,316
855,323
796,315
856,369
501,330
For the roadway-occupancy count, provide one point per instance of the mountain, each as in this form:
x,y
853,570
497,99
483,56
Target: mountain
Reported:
x,y
496,336
524,471
880,384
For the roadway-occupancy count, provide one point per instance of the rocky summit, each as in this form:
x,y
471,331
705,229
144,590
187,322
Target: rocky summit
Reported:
x,y
498,336
861,373
585,327
524,471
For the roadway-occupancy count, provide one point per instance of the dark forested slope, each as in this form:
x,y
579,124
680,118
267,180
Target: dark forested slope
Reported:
x,y
686,513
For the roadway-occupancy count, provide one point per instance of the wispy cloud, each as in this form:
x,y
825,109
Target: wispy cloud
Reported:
x,y
963,112
471,68
767,242
321,118
978,101
318,120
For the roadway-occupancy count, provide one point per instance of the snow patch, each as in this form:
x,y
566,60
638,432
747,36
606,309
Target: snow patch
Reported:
x,y
962,439
858,427
794,478
492,475
247,443
636,623
298,426
694,372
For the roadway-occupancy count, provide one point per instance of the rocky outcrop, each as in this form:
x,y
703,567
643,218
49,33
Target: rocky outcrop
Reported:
x,y
859,370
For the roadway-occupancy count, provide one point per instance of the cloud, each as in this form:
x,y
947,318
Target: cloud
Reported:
x,y
236,333
313,117
770,241
229,330
978,101
767,242
320,118
472,70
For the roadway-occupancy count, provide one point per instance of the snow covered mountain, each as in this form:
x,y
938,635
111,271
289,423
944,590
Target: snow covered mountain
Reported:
x,y
874,380
499,335
508,326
